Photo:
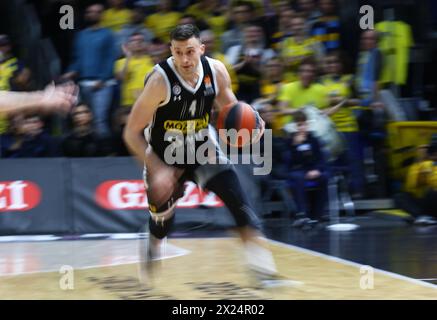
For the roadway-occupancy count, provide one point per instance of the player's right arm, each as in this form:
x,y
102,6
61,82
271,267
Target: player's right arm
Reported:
x,y
153,94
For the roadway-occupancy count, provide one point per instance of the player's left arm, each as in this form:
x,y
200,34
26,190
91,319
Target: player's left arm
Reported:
x,y
227,97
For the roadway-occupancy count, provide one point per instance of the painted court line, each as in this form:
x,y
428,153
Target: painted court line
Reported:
x,y
170,251
351,263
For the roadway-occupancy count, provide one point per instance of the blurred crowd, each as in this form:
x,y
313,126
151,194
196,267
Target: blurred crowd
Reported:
x,y
262,43
283,57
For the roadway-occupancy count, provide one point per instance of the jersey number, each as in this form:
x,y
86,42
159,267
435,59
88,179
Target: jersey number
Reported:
x,y
192,108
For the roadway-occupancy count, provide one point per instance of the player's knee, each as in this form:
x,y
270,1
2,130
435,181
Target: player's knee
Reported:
x,y
163,196
160,186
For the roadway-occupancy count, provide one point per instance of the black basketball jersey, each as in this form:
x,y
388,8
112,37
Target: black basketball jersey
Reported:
x,y
185,112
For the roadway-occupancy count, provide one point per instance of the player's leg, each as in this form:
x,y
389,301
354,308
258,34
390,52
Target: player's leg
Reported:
x,y
224,182
162,211
226,185
161,219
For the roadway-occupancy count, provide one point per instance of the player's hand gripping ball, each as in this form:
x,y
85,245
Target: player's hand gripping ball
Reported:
x,y
239,124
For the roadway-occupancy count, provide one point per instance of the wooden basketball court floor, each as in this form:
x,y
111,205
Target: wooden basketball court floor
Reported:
x,y
193,268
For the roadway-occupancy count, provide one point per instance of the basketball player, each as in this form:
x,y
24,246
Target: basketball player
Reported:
x,y
52,99
181,89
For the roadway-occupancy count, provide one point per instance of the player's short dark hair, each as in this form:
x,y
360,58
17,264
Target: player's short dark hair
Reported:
x,y
299,116
184,32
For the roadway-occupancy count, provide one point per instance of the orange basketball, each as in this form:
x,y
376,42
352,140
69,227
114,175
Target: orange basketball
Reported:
x,y
242,118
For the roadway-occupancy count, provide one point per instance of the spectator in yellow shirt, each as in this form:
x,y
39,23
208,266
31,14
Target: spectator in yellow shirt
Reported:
x,y
163,21
13,75
338,86
116,16
271,83
419,197
297,48
212,13
303,92
284,29
309,11
307,93
132,69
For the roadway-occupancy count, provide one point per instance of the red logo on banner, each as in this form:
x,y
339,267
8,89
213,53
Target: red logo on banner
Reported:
x,y
18,195
130,195
19,263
